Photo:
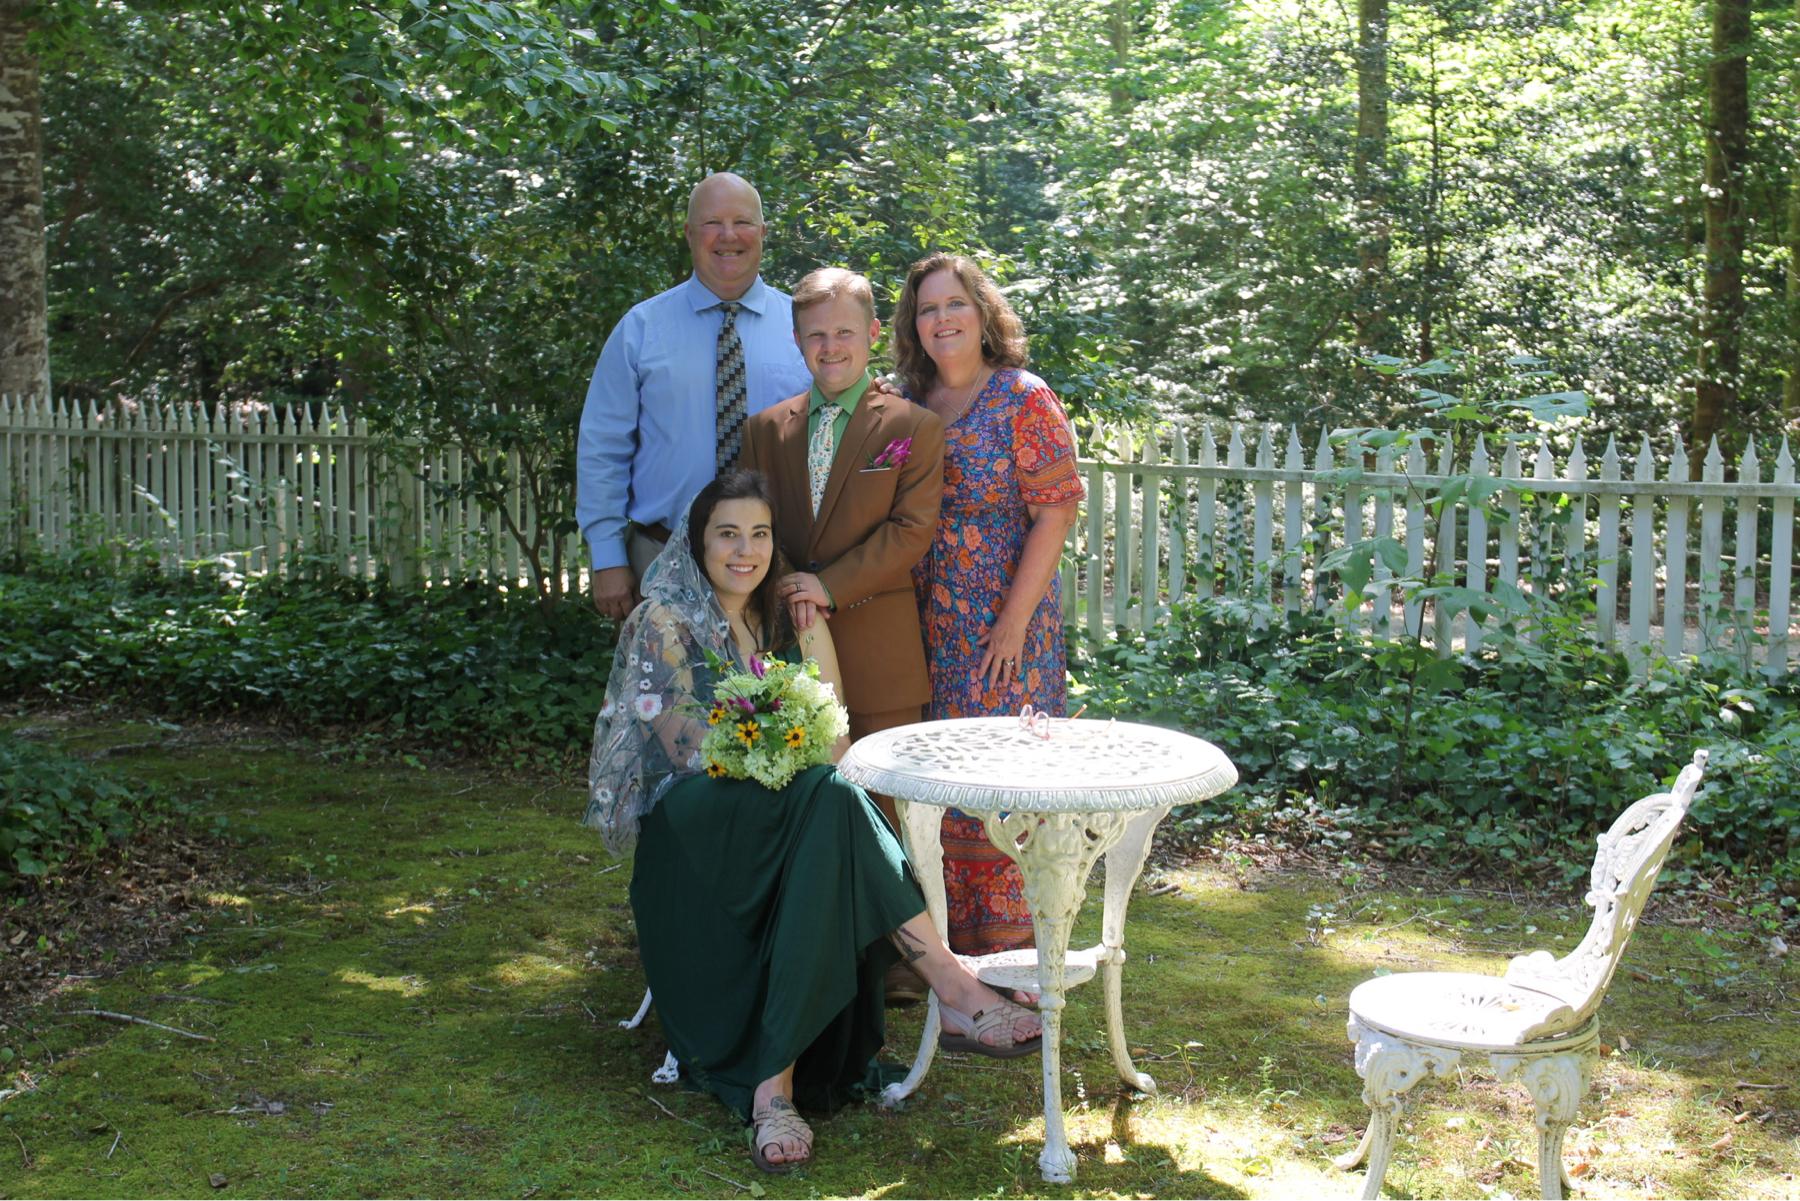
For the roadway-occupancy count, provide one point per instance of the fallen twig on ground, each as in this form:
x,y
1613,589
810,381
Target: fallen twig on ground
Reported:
x,y
110,1016
742,1188
690,1121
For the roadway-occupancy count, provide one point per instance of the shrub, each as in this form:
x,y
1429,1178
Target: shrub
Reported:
x,y
1517,754
53,807
466,668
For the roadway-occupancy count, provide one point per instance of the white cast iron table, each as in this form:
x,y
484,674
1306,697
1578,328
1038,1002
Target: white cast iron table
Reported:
x,y
1055,805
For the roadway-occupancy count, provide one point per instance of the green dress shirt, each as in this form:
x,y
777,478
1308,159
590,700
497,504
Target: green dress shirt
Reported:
x,y
846,405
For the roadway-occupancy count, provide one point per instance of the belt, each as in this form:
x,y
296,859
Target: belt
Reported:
x,y
655,529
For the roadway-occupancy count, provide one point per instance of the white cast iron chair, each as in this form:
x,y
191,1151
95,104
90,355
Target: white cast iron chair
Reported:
x,y
1537,1023
670,1071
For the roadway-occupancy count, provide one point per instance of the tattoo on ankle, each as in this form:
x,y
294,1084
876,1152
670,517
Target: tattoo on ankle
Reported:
x,y
911,949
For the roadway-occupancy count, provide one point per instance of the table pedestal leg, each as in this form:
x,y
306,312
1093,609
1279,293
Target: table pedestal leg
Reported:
x,y
922,828
1055,852
1124,863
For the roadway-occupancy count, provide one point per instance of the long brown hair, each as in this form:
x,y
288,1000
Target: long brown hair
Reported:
x,y
774,630
1002,333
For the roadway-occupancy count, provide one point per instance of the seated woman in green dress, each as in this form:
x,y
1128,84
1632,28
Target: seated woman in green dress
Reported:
x,y
766,918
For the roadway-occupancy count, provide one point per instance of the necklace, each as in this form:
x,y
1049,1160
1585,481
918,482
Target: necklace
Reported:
x,y
981,378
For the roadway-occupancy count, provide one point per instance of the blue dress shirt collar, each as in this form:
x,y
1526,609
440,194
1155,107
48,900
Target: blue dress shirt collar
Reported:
x,y
700,297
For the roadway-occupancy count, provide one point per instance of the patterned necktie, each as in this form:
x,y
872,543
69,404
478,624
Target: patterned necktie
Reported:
x,y
820,449
733,409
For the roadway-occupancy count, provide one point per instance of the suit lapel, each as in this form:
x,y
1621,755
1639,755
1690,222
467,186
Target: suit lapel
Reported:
x,y
858,445
793,494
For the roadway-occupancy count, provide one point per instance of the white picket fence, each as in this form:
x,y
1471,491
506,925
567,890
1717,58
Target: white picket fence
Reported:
x,y
267,489
1168,517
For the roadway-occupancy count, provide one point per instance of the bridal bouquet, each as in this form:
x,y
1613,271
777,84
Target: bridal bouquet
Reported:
x,y
772,722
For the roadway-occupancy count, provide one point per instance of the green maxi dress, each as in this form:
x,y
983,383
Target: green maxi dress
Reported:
x,y
762,920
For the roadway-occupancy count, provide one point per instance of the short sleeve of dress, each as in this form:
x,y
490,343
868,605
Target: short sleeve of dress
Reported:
x,y
1044,448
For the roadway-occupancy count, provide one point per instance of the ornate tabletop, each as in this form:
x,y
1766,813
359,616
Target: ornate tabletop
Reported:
x,y
1042,766
1055,795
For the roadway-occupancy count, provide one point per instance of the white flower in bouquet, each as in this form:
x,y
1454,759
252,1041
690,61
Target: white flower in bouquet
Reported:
x,y
772,722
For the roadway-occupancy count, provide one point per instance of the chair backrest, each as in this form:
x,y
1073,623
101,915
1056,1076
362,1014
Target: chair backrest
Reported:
x,y
1630,856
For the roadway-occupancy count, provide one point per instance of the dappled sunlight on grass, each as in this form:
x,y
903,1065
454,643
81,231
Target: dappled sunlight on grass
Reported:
x,y
441,1018
531,970
406,986
417,910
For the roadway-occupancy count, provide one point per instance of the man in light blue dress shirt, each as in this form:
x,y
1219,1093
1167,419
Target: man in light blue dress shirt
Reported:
x,y
649,431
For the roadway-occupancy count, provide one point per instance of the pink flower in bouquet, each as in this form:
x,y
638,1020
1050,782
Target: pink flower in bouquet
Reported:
x,y
756,667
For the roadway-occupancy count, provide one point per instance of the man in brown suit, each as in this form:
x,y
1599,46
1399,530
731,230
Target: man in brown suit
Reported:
x,y
857,475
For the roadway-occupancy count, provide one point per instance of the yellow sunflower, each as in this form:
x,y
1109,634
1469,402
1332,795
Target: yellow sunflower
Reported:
x,y
796,736
749,732
715,769
715,715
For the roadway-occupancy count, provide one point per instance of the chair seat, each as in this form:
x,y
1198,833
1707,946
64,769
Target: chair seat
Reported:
x,y
1018,969
1467,1011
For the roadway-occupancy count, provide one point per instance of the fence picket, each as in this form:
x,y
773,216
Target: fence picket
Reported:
x,y
1293,548
1180,519
1475,574
1781,566
1231,541
1356,618
1443,630
1712,520
1743,593
1506,569
1675,559
1543,526
1606,551
1643,549
1122,556
1093,577
1383,616
1150,534
1321,523
1262,573
1206,516
1415,533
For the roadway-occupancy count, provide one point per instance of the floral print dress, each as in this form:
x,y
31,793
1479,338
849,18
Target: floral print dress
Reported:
x,y
1012,448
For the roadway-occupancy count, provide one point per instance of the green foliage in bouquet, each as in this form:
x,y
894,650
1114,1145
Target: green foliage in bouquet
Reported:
x,y
772,722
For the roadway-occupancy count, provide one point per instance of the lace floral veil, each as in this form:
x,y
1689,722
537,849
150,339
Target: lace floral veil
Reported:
x,y
647,737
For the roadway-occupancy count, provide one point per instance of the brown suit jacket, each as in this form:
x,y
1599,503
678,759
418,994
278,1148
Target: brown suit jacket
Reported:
x,y
872,527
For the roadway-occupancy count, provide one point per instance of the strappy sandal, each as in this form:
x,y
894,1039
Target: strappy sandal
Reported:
x,y
779,1123
999,1016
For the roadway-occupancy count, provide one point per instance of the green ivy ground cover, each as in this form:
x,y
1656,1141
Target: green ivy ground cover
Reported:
x,y
461,669
413,985
1506,759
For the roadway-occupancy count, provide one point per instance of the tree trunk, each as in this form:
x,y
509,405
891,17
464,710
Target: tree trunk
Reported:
x,y
1430,231
24,328
1120,29
1790,392
1374,231
1727,140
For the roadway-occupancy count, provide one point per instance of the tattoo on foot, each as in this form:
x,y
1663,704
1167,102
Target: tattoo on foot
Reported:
x,y
911,949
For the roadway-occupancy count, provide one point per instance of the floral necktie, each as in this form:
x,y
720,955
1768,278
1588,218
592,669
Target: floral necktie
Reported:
x,y
820,449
